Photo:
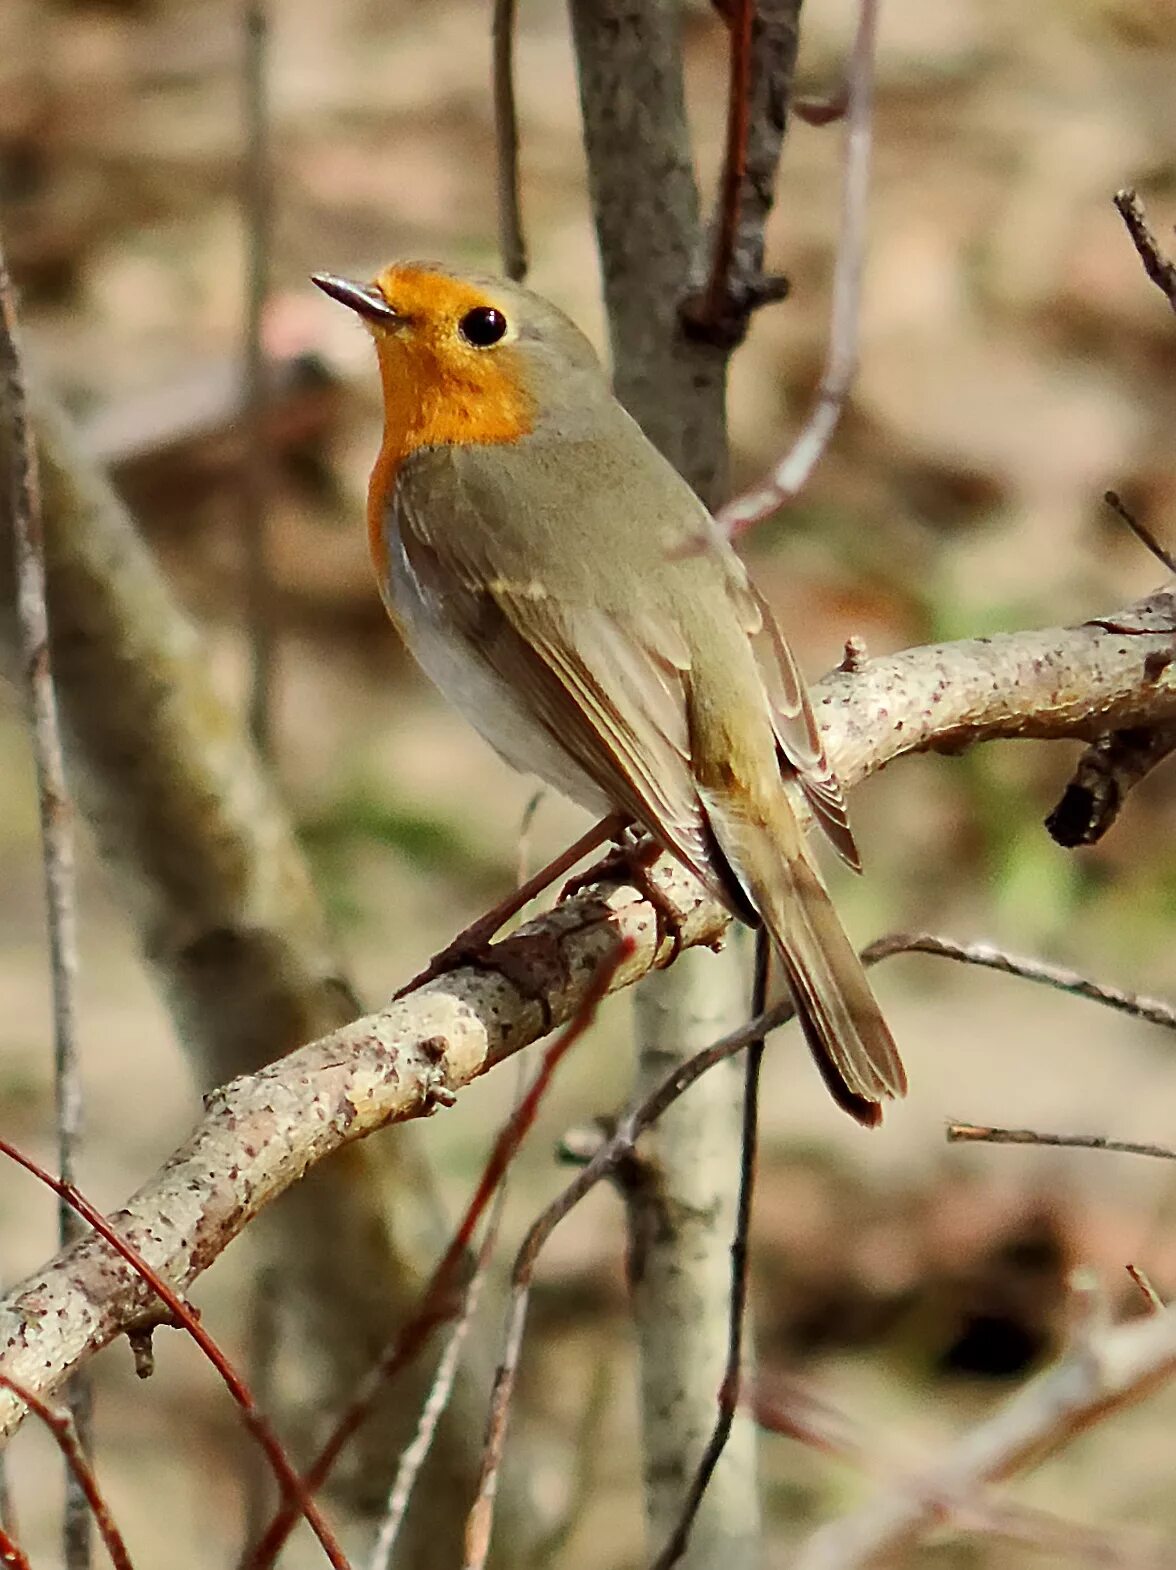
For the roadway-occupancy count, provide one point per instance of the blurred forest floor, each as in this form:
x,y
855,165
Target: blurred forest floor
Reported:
x,y
1015,363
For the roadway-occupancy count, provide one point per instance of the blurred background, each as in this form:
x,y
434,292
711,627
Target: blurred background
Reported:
x,y
1015,362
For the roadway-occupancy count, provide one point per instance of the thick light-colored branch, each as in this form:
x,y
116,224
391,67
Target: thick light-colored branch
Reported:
x,y
265,1131
1104,1372
209,871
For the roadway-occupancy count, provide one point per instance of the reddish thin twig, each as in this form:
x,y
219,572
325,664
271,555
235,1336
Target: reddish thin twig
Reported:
x,y
439,1302
64,1431
790,474
288,1478
511,240
11,1553
57,837
1143,1281
718,288
984,1134
1156,265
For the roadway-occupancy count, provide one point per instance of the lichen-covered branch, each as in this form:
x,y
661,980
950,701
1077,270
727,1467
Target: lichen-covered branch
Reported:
x,y
265,1131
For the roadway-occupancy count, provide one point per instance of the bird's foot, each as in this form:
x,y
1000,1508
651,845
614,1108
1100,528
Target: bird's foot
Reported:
x,y
473,946
632,859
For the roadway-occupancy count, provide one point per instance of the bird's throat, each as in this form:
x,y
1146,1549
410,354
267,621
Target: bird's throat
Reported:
x,y
427,406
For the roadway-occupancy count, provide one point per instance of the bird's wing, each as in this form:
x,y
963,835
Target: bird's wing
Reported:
x,y
801,748
798,737
606,689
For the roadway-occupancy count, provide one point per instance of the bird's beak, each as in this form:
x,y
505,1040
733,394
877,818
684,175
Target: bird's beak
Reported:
x,y
363,298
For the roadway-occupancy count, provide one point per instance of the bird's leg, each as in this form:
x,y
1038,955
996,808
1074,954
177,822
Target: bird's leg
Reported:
x,y
632,856
471,947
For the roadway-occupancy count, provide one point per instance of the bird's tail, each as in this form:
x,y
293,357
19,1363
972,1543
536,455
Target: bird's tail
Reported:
x,y
835,1003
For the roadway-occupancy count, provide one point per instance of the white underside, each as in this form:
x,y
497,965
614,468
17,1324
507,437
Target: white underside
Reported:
x,y
475,691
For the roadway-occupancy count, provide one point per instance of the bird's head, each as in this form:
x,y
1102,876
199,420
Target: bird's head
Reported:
x,y
467,357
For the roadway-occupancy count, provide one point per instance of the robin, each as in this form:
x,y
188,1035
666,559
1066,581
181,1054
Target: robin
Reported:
x,y
568,592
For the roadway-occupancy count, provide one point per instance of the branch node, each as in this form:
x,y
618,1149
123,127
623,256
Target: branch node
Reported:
x,y
856,656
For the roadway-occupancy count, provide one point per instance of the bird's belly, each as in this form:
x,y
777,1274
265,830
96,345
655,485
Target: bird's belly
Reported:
x,y
475,691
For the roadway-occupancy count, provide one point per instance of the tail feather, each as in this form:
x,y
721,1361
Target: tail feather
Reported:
x,y
835,1003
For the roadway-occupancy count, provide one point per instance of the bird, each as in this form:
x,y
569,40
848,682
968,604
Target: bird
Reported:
x,y
568,592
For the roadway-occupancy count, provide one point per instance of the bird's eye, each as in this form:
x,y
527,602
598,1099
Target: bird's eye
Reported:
x,y
483,326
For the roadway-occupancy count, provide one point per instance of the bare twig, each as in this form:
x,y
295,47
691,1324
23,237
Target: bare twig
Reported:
x,y
1159,269
438,1302
1115,1367
728,1397
606,1160
1154,1010
181,1314
257,202
414,1455
11,1553
57,838
717,296
512,242
1143,1282
790,474
790,1409
982,1134
1142,533
61,1425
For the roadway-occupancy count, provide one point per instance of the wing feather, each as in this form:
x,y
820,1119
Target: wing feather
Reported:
x,y
611,695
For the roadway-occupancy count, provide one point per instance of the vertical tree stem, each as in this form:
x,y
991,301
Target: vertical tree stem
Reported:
x,y
57,844
257,205
646,208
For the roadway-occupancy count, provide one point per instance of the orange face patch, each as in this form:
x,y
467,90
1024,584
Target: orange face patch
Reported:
x,y
439,390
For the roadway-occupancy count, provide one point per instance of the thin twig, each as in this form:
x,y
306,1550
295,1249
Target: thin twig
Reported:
x,y
1114,1368
256,468
183,1315
728,1400
439,1302
982,1134
604,1162
1060,977
57,838
61,1425
1140,530
11,1553
1156,265
717,298
1143,1282
511,239
790,474
416,1452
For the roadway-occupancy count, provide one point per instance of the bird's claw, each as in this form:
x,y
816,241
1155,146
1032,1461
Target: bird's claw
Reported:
x,y
632,859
